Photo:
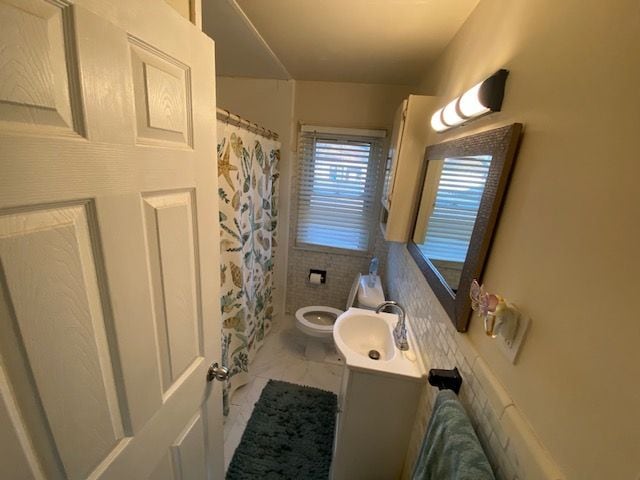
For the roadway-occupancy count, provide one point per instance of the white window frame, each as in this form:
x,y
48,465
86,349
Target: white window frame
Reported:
x,y
352,134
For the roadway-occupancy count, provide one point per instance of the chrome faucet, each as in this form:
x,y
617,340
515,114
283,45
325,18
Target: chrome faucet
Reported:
x,y
400,330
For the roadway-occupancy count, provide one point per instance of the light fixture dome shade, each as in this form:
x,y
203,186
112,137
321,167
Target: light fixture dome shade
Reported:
x,y
470,105
450,115
480,99
436,121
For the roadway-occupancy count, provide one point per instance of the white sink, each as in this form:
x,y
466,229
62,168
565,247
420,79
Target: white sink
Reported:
x,y
358,331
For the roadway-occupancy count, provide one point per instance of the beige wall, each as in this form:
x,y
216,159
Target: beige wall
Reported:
x,y
270,104
280,105
566,248
337,105
353,105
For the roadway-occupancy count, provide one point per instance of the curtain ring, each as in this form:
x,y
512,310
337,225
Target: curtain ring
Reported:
x,y
228,115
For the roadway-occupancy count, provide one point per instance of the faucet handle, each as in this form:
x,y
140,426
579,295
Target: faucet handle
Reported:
x,y
385,304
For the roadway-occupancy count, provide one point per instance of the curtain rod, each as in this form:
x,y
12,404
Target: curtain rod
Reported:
x,y
227,116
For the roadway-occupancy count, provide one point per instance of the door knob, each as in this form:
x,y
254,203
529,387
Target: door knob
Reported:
x,y
217,372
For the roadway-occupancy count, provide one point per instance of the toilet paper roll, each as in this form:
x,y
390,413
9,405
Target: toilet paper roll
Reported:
x,y
315,278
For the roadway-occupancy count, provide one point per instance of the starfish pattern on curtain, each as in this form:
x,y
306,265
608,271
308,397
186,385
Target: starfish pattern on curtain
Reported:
x,y
248,191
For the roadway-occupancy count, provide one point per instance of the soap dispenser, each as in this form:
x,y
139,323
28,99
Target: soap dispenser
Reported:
x,y
373,272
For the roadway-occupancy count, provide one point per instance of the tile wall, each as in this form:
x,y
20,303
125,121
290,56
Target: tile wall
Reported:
x,y
508,440
341,271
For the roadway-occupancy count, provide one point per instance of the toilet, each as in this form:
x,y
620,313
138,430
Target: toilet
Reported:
x,y
316,322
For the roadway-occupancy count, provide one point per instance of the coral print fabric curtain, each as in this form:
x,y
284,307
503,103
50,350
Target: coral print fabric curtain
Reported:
x,y
247,186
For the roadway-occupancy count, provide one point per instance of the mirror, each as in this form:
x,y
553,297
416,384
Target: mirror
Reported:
x,y
463,187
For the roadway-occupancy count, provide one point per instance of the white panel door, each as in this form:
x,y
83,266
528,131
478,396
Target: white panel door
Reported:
x,y
109,267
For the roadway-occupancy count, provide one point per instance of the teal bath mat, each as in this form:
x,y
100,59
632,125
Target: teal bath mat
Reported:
x,y
289,435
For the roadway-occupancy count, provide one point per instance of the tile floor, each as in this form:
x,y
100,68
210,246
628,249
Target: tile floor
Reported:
x,y
282,357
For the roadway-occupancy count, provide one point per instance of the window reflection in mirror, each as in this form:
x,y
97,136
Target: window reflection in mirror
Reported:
x,y
447,213
462,192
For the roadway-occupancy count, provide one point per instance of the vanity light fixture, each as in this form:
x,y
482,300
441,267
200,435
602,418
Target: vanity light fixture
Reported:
x,y
483,98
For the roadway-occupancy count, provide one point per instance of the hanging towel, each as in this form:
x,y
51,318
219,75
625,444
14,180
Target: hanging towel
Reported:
x,y
451,449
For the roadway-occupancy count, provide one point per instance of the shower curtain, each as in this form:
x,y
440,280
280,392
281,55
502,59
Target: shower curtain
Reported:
x,y
248,191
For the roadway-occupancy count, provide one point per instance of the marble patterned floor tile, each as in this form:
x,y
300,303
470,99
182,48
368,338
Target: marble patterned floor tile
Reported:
x,y
232,442
281,357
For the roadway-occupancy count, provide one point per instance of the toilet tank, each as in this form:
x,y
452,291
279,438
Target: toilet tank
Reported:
x,y
364,296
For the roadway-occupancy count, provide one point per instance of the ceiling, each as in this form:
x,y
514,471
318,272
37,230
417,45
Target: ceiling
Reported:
x,y
240,50
364,41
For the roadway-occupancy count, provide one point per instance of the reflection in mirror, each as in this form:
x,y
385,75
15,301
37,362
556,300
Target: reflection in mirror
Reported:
x,y
450,201
462,192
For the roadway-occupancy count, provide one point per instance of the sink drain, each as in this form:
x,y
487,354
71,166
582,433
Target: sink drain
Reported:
x,y
374,354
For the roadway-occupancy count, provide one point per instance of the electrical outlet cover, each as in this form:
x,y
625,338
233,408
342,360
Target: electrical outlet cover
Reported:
x,y
511,350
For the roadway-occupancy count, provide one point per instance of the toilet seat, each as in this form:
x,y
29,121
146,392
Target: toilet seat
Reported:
x,y
321,325
316,321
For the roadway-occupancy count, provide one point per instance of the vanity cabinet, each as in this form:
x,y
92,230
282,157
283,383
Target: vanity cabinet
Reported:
x,y
375,421
403,168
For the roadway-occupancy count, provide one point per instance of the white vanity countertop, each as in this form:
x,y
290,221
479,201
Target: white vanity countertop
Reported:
x,y
399,363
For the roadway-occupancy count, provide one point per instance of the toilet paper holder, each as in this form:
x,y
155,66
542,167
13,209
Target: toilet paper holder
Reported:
x,y
322,273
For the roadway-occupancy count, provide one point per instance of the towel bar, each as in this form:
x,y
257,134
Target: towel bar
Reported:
x,y
445,379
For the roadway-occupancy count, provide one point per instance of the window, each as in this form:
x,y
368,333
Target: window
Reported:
x,y
337,185
455,208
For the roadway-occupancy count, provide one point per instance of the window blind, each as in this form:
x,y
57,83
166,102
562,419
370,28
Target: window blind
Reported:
x,y
337,180
455,208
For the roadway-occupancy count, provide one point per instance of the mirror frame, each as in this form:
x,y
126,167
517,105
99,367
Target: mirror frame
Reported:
x,y
502,144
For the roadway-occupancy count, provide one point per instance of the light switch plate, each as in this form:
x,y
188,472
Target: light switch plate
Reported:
x,y
511,350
